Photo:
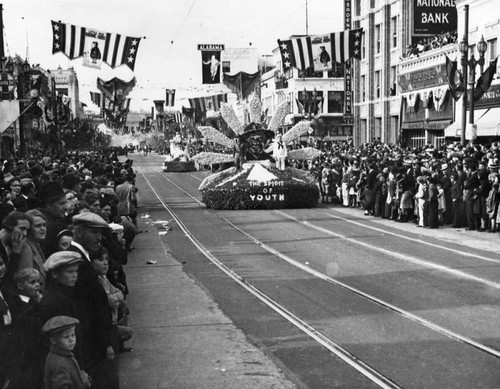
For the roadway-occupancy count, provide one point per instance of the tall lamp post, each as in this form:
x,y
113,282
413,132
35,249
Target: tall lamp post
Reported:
x,y
311,100
469,64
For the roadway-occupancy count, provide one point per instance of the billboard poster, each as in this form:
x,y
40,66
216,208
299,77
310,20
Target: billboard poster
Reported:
x,y
433,17
211,62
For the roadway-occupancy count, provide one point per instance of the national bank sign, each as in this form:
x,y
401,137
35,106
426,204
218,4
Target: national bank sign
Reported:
x,y
431,17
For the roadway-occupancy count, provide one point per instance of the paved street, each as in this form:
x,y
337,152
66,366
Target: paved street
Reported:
x,y
318,298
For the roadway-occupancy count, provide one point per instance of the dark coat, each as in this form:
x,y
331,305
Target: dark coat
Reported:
x,y
93,312
62,371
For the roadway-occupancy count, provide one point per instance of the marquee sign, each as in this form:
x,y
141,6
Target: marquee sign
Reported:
x,y
348,114
425,78
432,17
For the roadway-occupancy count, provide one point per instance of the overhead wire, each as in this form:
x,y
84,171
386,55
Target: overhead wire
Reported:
x,y
165,57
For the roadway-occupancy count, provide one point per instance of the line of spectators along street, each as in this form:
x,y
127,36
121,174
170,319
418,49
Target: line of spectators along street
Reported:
x,y
67,225
430,43
450,185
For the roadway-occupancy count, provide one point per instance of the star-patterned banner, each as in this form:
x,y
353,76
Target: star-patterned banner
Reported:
x,y
94,46
320,51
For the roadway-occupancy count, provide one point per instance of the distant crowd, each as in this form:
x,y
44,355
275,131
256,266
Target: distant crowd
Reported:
x,y
67,226
451,185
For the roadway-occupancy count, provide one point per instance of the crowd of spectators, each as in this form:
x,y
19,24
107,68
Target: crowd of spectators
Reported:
x,y
430,43
451,185
67,225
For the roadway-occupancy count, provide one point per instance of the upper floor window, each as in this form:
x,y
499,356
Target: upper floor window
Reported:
x,y
377,83
394,31
492,49
378,43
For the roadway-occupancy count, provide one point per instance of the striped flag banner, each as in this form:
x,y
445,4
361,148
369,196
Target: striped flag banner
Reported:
x,y
94,45
296,52
346,44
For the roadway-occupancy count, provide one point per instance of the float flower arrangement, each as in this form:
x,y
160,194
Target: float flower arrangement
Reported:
x,y
258,183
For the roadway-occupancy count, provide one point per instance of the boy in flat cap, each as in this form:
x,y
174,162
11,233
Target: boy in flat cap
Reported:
x,y
61,368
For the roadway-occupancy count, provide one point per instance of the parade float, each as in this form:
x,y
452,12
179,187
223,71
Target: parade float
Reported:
x,y
254,182
178,158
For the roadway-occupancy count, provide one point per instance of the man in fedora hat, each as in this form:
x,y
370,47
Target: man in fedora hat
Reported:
x,y
52,195
98,354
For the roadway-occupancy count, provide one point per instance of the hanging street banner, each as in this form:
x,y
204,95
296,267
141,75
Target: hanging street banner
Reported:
x,y
432,17
211,63
95,46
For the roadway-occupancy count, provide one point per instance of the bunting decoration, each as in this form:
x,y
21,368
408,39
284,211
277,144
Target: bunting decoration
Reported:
x,y
115,89
455,79
170,97
484,81
242,83
208,103
95,46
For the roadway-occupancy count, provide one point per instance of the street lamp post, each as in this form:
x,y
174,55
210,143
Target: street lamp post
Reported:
x,y
469,64
311,99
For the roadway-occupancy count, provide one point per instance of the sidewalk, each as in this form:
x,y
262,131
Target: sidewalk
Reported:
x,y
181,337
460,236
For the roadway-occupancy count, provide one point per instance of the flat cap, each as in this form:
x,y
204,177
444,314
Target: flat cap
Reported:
x,y
59,323
62,258
90,220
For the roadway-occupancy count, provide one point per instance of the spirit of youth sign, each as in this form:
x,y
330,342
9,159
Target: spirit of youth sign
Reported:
x,y
269,191
433,17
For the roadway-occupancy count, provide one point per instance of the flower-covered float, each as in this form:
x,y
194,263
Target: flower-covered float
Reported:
x,y
178,158
254,182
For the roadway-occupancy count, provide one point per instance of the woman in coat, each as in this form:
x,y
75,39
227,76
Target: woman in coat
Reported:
x,y
32,255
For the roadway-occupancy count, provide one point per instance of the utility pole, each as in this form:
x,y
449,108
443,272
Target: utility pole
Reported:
x,y
2,50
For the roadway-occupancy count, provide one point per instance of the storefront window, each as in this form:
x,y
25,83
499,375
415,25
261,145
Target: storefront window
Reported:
x,y
335,102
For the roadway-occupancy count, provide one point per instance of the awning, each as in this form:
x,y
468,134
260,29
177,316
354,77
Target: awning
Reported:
x,y
486,120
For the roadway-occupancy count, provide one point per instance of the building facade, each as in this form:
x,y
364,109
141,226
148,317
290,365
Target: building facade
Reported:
x,y
66,82
402,92
309,94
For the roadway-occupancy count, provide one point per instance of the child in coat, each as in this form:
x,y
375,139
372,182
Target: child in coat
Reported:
x,y
61,367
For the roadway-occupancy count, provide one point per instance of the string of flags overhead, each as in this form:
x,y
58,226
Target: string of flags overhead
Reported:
x,y
94,46
320,51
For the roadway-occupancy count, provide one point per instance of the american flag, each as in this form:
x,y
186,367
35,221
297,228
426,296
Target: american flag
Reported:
x,y
72,41
346,44
296,52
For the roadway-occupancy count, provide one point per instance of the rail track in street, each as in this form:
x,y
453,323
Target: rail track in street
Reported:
x,y
388,296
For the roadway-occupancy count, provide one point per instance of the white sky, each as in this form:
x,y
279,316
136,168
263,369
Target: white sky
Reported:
x,y
168,57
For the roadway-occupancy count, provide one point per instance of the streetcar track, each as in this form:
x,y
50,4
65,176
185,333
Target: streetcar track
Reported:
x,y
365,369
404,313
305,327
400,256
